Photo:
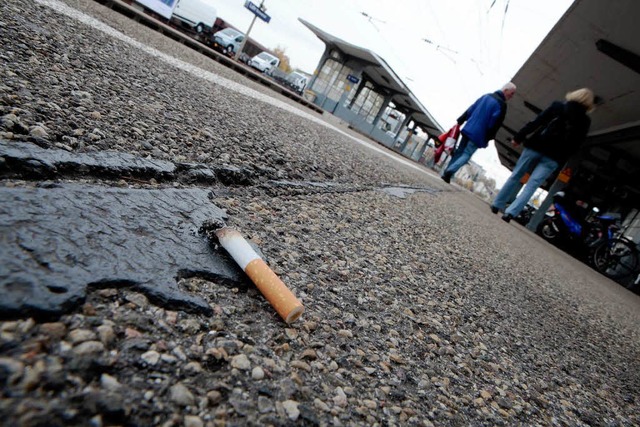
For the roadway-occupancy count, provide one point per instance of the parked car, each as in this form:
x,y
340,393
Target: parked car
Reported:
x,y
228,41
198,15
297,81
264,62
244,58
278,75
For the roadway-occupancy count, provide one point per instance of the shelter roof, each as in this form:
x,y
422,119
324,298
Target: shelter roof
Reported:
x,y
382,75
595,44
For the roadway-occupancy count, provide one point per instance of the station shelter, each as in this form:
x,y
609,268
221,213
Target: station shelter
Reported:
x,y
360,88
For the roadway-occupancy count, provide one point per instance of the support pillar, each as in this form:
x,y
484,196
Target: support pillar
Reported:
x,y
537,217
422,149
404,124
557,185
385,104
361,86
406,140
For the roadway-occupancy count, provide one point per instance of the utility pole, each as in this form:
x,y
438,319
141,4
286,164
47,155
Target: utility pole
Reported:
x,y
246,36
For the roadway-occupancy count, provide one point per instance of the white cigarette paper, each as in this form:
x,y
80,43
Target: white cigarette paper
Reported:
x,y
273,289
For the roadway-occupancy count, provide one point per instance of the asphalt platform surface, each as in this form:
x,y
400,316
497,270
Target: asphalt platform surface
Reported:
x,y
118,146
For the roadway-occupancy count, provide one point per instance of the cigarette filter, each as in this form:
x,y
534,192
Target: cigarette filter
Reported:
x,y
273,289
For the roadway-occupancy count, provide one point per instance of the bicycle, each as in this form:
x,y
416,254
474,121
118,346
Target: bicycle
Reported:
x,y
617,258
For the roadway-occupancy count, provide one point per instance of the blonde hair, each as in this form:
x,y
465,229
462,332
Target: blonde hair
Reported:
x,y
583,96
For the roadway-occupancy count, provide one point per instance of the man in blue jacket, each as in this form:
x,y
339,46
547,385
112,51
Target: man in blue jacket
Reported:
x,y
482,121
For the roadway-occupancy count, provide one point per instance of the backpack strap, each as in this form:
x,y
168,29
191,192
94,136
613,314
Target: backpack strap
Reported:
x,y
491,134
503,105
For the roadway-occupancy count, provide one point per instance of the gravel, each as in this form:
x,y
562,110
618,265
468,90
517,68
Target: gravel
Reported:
x,y
423,310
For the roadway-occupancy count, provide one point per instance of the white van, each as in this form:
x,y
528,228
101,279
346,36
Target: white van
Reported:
x,y
264,62
228,40
199,15
297,81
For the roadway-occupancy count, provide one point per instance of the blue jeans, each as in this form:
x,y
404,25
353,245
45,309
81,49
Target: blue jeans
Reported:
x,y
540,166
461,156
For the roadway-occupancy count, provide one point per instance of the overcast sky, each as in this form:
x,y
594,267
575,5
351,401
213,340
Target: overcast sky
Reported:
x,y
474,46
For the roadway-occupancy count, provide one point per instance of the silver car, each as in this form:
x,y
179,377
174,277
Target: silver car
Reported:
x,y
228,40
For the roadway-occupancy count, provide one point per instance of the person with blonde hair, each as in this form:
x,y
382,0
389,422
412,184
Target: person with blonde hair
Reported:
x,y
556,134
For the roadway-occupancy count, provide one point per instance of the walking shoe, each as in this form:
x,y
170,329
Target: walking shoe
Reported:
x,y
446,178
507,217
494,209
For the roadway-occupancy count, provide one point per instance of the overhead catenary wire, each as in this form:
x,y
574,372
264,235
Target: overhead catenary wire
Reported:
x,y
504,18
371,19
498,56
383,39
477,63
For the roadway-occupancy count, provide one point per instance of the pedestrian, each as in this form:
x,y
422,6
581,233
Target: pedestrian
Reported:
x,y
481,123
556,134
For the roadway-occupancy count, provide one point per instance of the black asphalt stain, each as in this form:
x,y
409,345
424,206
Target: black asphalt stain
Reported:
x,y
56,243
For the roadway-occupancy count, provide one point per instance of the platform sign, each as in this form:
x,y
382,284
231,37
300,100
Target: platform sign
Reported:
x,y
353,79
163,8
257,11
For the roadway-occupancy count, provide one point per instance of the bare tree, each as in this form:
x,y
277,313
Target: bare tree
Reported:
x,y
285,63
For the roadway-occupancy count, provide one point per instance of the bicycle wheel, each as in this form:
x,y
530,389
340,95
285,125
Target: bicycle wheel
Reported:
x,y
616,258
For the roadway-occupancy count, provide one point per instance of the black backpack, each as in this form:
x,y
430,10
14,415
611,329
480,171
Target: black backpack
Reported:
x,y
557,129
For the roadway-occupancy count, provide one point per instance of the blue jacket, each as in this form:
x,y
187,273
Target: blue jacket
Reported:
x,y
484,118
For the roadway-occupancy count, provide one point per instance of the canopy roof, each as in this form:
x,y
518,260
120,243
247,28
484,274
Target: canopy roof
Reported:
x,y
380,73
596,45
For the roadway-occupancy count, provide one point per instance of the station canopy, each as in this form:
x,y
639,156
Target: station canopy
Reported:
x,y
383,77
596,44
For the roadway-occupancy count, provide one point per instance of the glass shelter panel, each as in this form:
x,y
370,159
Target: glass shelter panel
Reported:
x,y
340,83
368,103
376,105
332,73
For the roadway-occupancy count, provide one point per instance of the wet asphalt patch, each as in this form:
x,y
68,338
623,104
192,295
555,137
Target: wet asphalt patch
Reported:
x,y
59,242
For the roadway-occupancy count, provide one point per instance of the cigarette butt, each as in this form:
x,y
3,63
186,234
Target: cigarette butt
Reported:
x,y
273,289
